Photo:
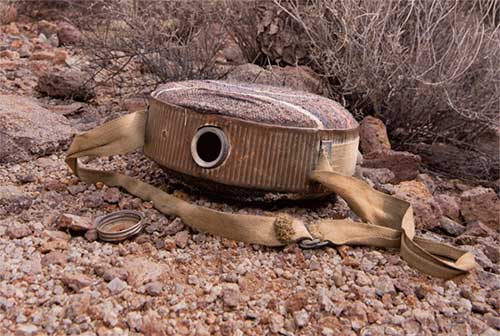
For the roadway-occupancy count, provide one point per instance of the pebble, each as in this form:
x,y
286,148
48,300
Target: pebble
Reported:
x,y
154,288
231,295
116,286
301,318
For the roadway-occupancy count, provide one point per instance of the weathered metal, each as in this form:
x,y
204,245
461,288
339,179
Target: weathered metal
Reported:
x,y
267,150
119,225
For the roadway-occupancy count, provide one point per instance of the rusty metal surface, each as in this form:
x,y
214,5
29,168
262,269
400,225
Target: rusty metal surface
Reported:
x,y
261,156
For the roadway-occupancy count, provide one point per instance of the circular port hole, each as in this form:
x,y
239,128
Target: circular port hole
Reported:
x,y
209,147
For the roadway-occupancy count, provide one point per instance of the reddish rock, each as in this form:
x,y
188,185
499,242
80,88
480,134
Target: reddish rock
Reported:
x,y
378,175
42,56
8,13
18,231
373,136
404,165
449,206
181,238
46,28
73,222
296,302
9,54
479,229
12,29
481,204
55,258
112,195
70,84
76,281
68,34
13,200
60,56
28,130
426,210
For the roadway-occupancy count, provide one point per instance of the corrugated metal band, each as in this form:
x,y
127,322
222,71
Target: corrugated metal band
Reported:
x,y
261,157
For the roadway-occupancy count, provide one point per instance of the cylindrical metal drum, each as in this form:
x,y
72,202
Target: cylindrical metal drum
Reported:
x,y
255,137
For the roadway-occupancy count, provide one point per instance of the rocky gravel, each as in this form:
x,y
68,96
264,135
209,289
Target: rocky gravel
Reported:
x,y
56,277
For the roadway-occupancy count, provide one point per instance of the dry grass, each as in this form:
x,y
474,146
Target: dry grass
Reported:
x,y
429,68
167,41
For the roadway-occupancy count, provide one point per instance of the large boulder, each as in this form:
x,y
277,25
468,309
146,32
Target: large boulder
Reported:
x,y
404,165
481,204
299,78
373,136
28,130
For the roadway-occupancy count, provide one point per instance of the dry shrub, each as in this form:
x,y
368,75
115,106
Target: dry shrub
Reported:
x,y
165,40
430,69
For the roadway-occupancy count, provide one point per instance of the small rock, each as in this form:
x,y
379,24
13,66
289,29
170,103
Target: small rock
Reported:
x,y
154,288
449,206
60,56
76,281
32,266
181,238
91,235
384,285
296,301
73,222
9,54
26,330
26,178
492,251
301,318
492,320
68,34
112,195
451,227
8,13
175,226
54,258
356,313
478,229
373,135
378,175
12,29
362,279
426,210
18,231
93,200
108,274
12,199
42,56
231,295
404,165
69,84
276,322
116,286
481,204
46,28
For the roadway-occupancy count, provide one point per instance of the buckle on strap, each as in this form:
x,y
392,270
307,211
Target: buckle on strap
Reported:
x,y
313,243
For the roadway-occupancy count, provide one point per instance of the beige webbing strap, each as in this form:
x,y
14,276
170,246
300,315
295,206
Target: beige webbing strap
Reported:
x,y
389,221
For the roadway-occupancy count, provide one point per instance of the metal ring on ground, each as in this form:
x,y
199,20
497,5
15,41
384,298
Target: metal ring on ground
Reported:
x,y
119,225
209,147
